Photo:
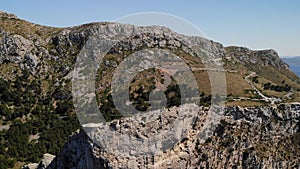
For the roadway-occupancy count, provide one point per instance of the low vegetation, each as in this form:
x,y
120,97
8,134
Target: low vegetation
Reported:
x,y
28,113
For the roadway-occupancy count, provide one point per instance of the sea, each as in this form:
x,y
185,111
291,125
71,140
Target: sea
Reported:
x,y
294,63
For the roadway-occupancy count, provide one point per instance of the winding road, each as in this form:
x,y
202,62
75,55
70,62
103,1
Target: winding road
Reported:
x,y
272,100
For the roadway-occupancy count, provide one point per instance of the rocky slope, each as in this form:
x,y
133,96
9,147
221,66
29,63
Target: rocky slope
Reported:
x,y
246,135
260,58
261,137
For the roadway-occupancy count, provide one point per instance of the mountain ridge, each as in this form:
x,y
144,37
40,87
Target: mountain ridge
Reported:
x,y
36,66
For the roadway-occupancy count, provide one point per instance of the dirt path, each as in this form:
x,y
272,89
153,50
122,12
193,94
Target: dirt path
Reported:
x,y
272,100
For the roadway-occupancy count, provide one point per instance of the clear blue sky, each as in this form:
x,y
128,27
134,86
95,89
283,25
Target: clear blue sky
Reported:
x,y
257,24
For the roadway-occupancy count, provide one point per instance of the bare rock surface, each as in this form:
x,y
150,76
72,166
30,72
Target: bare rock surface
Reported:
x,y
258,137
253,137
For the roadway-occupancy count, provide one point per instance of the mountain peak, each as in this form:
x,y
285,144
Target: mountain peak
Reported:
x,y
268,57
37,65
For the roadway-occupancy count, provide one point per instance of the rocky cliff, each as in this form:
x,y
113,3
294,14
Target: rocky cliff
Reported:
x,y
262,58
261,137
258,129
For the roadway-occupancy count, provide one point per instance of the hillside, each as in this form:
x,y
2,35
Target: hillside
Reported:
x,y
38,64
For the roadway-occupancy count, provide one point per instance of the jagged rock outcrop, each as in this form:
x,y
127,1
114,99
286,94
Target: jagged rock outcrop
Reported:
x,y
261,137
15,47
78,153
263,57
46,161
253,137
28,53
35,53
8,15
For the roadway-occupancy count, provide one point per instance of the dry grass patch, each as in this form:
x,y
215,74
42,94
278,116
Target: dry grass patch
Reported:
x,y
203,81
237,85
9,71
246,103
27,29
19,165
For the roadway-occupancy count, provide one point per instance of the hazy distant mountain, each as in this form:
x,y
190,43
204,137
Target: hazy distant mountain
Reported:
x,y
294,63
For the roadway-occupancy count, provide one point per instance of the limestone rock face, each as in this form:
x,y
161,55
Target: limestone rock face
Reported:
x,y
78,153
47,159
256,137
15,47
264,57
37,52
261,137
20,50
37,55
